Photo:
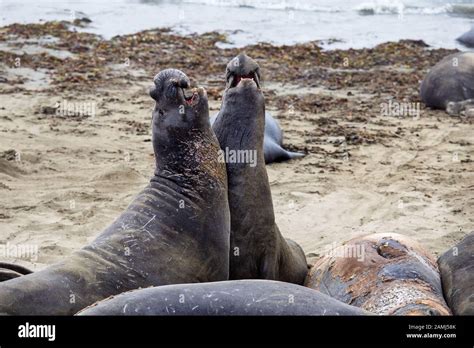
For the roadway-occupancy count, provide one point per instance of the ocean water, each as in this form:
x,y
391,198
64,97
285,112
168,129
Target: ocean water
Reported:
x,y
337,23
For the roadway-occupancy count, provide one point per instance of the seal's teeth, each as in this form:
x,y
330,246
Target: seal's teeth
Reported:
x,y
201,91
257,80
188,94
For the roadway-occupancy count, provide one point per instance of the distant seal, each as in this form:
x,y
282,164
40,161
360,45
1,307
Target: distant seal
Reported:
x,y
241,67
237,297
10,270
175,231
457,275
383,273
450,84
258,249
467,39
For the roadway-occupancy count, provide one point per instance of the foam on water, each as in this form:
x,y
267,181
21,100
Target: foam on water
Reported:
x,y
353,23
272,4
427,7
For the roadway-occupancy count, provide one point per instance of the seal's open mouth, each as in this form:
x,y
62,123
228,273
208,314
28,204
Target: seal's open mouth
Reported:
x,y
235,79
180,88
191,98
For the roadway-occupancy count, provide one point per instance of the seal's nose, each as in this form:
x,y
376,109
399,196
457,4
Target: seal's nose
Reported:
x,y
202,92
153,93
181,82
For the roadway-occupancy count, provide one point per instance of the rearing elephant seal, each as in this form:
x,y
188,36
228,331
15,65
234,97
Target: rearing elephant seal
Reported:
x,y
457,275
383,273
175,231
450,84
258,249
241,67
236,297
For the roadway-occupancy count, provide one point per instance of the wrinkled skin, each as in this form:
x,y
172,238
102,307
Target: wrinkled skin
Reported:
x,y
243,66
258,249
456,266
383,273
236,297
450,84
175,231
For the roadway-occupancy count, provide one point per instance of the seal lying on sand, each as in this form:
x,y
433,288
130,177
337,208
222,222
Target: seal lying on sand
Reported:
x,y
241,67
450,84
9,271
175,231
237,297
383,273
258,249
457,275
467,39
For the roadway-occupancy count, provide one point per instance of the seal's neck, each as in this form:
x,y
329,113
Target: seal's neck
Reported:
x,y
240,132
241,127
190,161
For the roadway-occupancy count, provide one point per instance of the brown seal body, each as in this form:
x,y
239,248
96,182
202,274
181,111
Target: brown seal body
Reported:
x,y
258,250
457,275
234,297
175,231
383,273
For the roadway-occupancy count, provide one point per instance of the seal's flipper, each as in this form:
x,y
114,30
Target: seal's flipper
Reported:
x,y
275,153
458,108
294,155
16,268
10,271
7,274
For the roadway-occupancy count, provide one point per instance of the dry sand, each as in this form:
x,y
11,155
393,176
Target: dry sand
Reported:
x,y
64,179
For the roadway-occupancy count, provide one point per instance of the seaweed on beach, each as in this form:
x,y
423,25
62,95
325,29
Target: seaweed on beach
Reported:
x,y
92,61
356,81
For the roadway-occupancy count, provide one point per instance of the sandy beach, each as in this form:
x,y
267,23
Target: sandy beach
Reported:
x,y
75,137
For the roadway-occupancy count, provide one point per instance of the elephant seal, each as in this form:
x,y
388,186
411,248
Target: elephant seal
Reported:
x,y
258,249
457,276
175,231
235,297
243,66
467,39
450,84
383,273
10,270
